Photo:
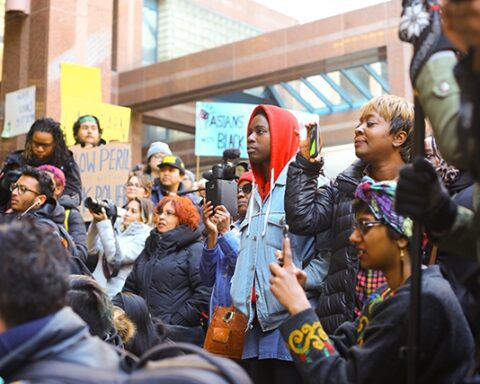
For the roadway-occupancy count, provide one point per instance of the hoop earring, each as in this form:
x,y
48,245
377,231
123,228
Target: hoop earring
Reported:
x,y
402,257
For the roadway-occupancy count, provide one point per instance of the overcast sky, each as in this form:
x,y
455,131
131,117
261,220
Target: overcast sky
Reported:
x,y
309,10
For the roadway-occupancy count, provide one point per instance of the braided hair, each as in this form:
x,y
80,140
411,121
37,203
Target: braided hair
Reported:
x,y
60,153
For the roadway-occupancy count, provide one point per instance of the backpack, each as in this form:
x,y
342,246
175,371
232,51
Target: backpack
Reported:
x,y
156,366
168,363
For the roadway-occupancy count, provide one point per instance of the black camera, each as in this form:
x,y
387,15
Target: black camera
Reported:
x,y
221,187
96,205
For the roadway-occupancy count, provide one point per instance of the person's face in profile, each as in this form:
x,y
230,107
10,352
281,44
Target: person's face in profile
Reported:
x,y
258,140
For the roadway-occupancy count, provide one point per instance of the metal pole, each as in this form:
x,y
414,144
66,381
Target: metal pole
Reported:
x,y
416,261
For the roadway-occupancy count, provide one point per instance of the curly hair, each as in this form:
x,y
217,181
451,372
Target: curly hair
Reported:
x,y
399,113
60,151
185,210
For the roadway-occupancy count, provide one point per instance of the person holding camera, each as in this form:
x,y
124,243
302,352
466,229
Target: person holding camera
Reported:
x,y
118,248
220,249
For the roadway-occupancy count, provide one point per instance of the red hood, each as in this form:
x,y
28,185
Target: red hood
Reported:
x,y
283,144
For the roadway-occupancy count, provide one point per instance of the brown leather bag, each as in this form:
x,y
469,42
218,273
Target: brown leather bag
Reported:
x,y
226,333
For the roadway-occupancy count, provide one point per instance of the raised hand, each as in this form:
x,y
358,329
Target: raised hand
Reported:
x,y
222,219
210,224
304,144
285,282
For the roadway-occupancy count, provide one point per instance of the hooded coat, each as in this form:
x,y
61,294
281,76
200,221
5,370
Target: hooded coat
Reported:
x,y
61,337
166,275
261,235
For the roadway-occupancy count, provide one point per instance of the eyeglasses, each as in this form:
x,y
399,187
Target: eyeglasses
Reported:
x,y
22,189
133,185
246,188
365,226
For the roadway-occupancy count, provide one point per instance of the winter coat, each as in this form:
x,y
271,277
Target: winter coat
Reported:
x,y
166,275
73,185
217,266
367,350
75,225
52,214
115,247
61,337
311,210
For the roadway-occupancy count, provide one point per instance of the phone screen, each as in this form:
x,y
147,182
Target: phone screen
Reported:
x,y
313,135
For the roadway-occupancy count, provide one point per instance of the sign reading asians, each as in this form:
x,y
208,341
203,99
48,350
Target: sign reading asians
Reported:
x,y
219,126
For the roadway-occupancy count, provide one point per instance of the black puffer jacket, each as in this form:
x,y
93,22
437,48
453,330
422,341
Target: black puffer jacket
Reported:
x,y
311,210
73,186
166,275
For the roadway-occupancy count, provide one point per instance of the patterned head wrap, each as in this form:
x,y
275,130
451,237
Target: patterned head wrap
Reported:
x,y
379,197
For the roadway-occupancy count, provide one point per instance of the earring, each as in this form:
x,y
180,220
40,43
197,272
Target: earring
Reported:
x,y
402,257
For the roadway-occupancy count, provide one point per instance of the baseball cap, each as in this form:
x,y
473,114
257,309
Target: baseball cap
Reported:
x,y
173,161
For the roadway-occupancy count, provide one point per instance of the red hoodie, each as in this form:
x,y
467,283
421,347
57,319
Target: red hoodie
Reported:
x,y
283,144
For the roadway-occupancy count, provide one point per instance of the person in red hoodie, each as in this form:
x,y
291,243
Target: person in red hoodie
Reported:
x,y
271,145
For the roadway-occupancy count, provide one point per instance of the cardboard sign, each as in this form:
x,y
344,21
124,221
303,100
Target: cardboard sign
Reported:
x,y
19,112
219,126
104,171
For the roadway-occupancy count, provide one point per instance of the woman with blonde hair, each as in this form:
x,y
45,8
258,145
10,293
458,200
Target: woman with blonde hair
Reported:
x,y
118,248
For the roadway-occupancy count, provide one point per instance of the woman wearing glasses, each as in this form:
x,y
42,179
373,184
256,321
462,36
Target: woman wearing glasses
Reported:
x,y
166,272
118,248
220,249
369,349
138,185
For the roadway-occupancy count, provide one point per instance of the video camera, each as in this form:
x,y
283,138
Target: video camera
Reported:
x,y
96,205
221,187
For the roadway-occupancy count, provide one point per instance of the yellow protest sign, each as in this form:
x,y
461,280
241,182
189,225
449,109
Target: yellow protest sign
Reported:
x,y
81,94
81,82
114,120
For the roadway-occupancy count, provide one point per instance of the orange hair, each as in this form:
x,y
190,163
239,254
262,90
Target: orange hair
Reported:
x,y
185,210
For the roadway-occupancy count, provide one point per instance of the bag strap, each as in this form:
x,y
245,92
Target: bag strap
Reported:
x,y
168,350
67,216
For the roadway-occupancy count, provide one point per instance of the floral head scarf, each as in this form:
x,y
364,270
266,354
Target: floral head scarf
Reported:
x,y
380,197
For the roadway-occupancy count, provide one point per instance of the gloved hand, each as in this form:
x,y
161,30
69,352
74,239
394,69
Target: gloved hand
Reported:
x,y
421,25
421,195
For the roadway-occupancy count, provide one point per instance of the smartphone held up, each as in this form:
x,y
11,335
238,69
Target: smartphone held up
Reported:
x,y
314,142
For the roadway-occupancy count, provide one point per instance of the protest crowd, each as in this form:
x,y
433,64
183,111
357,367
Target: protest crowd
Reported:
x,y
263,271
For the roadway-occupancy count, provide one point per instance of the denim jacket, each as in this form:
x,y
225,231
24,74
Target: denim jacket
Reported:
x,y
261,234
217,266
